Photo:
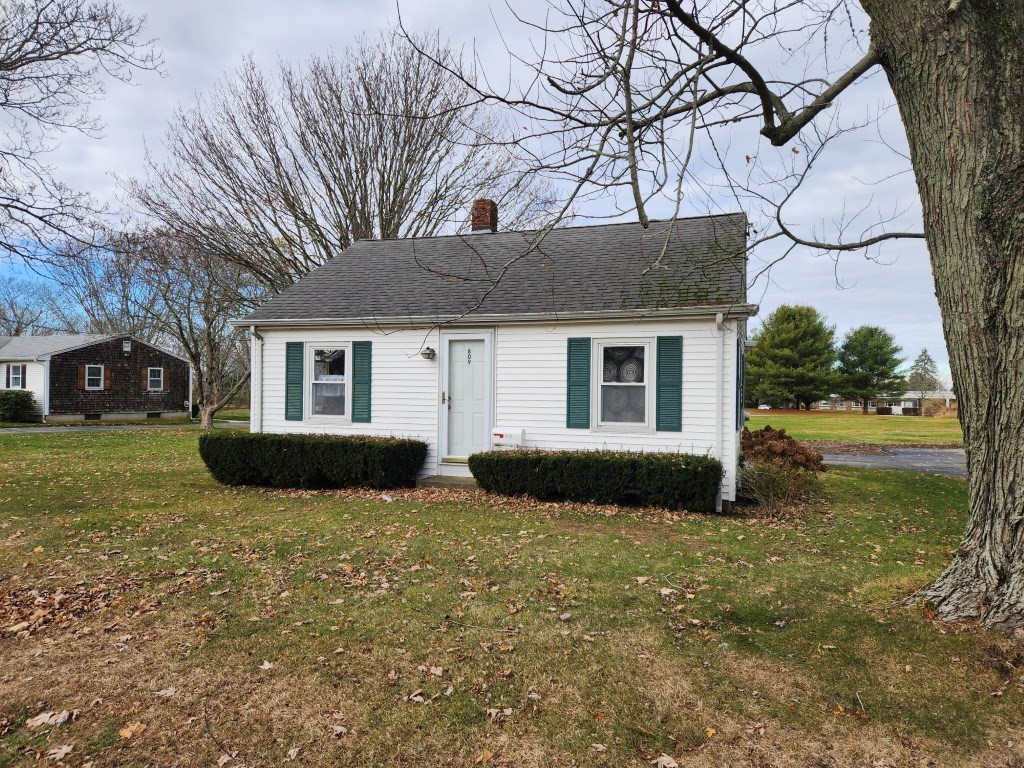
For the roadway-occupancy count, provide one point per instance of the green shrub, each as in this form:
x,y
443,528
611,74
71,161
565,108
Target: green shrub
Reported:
x,y
673,480
311,461
16,405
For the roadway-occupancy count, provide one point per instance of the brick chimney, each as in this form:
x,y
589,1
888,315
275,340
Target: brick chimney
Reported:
x,y
485,215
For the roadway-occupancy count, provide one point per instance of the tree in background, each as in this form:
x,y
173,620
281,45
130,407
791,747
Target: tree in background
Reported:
x,y
22,308
924,374
278,175
199,294
869,364
104,289
793,357
54,55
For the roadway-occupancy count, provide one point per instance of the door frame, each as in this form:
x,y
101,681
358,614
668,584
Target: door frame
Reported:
x,y
486,335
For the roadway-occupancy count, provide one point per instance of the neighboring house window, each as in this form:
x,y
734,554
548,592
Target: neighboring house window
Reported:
x,y
329,382
94,377
623,384
16,374
156,380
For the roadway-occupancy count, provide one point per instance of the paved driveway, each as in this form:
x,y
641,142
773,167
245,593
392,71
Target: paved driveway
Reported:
x,y
112,428
935,461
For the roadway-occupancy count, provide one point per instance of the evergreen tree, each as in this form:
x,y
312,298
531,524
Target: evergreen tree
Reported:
x,y
924,374
869,364
793,357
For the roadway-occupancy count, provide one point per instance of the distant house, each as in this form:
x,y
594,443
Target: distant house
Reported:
x,y
603,337
91,376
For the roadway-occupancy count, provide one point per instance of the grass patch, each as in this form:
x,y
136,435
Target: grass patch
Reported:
x,y
444,623
846,427
232,414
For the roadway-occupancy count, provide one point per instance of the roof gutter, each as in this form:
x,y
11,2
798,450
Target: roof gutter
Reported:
x,y
424,321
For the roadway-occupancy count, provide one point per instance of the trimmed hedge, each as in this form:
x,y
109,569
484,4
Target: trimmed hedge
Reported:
x,y
16,405
311,461
673,480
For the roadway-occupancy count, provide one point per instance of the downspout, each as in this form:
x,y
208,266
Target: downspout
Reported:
x,y
46,386
720,395
256,382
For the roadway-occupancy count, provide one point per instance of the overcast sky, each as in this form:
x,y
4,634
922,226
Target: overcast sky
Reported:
x,y
203,40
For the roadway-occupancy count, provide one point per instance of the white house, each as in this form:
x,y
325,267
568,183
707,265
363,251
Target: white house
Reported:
x,y
596,337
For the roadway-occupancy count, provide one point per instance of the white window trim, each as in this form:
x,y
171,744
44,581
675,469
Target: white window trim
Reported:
x,y
22,370
596,376
87,377
317,418
149,379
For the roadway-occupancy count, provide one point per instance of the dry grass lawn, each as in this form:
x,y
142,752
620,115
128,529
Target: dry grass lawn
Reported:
x,y
180,623
849,427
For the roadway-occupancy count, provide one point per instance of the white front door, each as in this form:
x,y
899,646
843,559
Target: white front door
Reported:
x,y
467,398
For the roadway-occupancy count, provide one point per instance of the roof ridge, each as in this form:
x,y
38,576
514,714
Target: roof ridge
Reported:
x,y
461,235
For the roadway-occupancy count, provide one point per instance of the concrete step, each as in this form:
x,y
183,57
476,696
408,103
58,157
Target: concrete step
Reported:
x,y
446,481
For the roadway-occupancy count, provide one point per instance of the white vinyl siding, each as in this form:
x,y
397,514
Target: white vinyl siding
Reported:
x,y
34,383
529,386
404,387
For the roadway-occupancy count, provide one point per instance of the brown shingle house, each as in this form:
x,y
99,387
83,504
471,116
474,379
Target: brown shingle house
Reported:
x,y
95,376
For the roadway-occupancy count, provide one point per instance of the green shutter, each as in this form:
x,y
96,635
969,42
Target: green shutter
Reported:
x,y
577,405
669,395
361,378
293,363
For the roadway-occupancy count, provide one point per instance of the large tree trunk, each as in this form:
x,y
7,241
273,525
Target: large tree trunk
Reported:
x,y
957,70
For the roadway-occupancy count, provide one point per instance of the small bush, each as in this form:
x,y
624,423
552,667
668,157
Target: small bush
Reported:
x,y
778,471
775,445
311,461
676,481
884,410
16,405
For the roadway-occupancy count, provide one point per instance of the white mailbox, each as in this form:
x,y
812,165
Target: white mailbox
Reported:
x,y
507,435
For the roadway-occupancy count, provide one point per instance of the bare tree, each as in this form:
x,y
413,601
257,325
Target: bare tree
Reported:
x,y
279,175
199,294
54,56
104,288
22,308
644,97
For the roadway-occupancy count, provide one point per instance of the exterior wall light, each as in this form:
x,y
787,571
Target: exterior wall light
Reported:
x,y
428,353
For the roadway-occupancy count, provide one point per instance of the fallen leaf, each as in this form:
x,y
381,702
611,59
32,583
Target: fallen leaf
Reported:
x,y
292,754
49,718
15,628
339,731
59,753
709,731
131,730
224,760
436,671
166,693
266,665
565,617
599,747
664,761
484,757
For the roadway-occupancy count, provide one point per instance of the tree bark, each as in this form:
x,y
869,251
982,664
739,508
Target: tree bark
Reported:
x,y
957,71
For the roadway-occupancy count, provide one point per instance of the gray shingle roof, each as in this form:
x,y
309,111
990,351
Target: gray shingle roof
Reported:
x,y
31,347
603,268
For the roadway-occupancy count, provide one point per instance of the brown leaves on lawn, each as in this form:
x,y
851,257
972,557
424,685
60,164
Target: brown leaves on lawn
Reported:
x,y
24,610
